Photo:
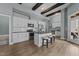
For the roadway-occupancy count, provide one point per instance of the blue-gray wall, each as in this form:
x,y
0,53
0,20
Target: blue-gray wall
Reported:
x,y
73,8
65,23
67,12
4,25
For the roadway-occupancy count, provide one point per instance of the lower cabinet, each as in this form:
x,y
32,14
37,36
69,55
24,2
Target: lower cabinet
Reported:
x,y
20,37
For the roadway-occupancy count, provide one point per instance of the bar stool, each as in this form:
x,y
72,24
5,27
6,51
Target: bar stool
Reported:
x,y
50,38
43,42
54,38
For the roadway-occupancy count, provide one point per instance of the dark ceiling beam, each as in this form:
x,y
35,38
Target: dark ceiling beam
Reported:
x,y
52,7
53,13
36,6
20,3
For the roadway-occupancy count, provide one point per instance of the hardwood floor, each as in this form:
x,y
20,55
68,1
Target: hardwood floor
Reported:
x,y
59,48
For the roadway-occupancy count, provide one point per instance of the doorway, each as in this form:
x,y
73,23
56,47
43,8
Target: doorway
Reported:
x,y
74,28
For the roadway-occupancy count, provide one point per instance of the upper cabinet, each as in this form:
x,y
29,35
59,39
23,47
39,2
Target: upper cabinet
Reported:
x,y
42,26
20,22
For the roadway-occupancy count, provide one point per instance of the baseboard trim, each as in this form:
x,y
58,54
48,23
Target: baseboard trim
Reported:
x,y
72,42
10,43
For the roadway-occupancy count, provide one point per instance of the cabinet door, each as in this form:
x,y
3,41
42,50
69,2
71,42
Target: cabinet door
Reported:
x,y
23,37
21,24
18,22
20,37
15,20
16,37
16,29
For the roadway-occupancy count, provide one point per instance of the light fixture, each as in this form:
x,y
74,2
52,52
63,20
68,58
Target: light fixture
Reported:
x,y
20,3
43,8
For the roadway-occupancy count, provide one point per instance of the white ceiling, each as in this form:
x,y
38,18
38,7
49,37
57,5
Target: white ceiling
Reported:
x,y
28,8
42,8
29,5
56,9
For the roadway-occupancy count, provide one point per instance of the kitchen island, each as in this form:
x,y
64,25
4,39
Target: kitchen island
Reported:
x,y
38,38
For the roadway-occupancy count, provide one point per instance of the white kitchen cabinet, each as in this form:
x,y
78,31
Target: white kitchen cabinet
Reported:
x,y
57,33
20,37
19,33
19,29
42,26
16,22
19,22
20,26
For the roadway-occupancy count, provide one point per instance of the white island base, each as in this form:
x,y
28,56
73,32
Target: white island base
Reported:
x,y
38,38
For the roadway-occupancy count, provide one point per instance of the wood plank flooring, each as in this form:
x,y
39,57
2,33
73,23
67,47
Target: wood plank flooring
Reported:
x,y
59,48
